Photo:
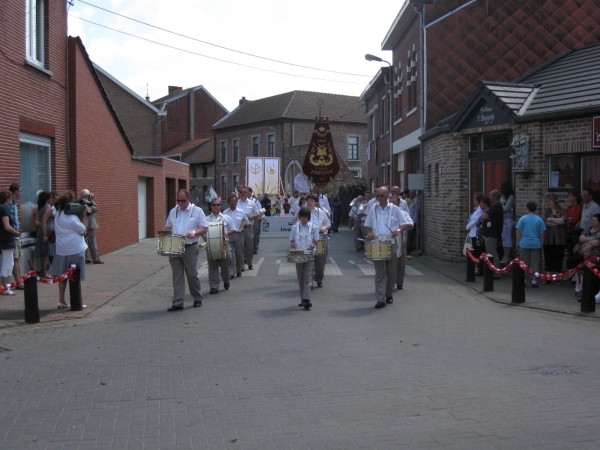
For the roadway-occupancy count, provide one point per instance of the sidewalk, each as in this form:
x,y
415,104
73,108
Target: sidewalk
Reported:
x,y
550,297
121,270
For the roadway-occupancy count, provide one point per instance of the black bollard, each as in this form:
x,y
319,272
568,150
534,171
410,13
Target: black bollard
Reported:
x,y
75,292
590,289
32,310
518,287
470,270
488,276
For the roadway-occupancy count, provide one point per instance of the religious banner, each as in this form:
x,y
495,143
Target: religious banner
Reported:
x,y
262,175
321,163
271,178
255,176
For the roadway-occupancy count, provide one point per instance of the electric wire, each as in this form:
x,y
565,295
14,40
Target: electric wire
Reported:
x,y
214,58
220,46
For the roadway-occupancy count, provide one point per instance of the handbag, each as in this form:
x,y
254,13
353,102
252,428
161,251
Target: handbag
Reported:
x,y
467,245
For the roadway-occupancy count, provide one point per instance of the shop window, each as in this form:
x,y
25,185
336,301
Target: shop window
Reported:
x,y
35,173
562,171
590,173
495,141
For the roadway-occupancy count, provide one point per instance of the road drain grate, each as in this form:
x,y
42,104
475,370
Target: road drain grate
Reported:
x,y
554,371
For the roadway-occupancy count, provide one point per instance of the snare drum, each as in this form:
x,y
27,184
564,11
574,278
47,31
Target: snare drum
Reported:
x,y
300,257
378,250
320,249
171,245
215,240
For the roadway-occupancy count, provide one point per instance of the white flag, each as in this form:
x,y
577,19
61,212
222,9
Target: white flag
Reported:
x,y
213,194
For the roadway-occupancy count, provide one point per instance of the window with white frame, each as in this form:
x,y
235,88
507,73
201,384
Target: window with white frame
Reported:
x,y
223,152
35,172
255,145
223,185
271,145
236,150
355,172
352,148
34,31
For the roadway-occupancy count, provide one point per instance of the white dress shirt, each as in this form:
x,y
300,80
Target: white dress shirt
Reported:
x,y
382,221
181,222
238,218
249,207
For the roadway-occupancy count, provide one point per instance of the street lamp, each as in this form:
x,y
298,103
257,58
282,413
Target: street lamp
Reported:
x,y
370,57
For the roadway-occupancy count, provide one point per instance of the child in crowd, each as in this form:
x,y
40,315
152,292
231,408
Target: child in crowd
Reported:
x,y
530,235
304,235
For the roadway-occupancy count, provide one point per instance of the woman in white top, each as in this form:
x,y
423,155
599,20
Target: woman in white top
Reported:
x,y
70,243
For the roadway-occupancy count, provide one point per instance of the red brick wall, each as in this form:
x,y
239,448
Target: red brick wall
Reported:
x,y
207,112
30,96
175,128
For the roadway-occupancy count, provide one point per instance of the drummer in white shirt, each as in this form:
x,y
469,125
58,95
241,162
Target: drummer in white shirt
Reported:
x,y
304,235
319,218
236,239
215,264
186,220
248,205
384,222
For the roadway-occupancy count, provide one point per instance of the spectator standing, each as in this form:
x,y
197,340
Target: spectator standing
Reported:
x,y
590,207
92,225
13,210
493,220
336,212
555,236
478,247
530,235
573,218
8,235
70,244
413,211
508,206
44,249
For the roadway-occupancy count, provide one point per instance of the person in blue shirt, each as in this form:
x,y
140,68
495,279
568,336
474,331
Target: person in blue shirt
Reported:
x,y
530,235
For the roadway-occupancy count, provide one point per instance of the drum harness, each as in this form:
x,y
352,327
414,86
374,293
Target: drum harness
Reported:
x,y
303,236
187,222
388,237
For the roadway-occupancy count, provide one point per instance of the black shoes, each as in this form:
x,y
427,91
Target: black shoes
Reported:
x,y
214,291
255,252
320,283
250,267
306,304
400,287
175,308
239,274
231,277
197,303
389,300
380,305
226,286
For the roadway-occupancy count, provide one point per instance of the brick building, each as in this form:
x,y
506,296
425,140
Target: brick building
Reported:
x,y
440,52
548,112
59,131
281,126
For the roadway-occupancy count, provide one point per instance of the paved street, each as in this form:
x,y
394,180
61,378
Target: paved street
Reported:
x,y
444,367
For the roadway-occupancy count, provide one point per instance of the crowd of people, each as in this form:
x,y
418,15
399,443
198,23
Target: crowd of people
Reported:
x,y
557,234
60,239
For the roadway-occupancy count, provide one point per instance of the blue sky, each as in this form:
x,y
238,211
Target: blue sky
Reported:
x,y
326,34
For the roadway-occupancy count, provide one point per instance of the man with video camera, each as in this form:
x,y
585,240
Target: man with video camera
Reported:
x,y
87,199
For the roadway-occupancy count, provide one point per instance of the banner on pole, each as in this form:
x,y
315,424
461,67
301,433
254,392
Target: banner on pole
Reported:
x,y
263,175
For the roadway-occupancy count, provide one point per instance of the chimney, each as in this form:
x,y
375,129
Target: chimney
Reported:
x,y
243,101
174,89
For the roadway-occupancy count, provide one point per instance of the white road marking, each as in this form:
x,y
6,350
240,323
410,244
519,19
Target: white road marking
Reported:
x,y
366,269
255,268
411,271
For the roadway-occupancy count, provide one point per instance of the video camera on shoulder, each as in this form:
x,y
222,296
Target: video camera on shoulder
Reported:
x,y
78,208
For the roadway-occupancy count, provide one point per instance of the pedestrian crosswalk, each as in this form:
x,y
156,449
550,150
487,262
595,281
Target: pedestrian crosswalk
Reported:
x,y
332,268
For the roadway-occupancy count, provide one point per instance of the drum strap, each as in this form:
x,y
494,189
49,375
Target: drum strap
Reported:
x,y
387,236
303,236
